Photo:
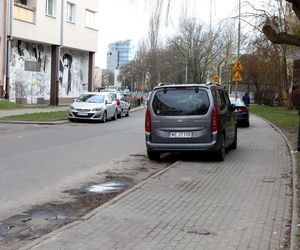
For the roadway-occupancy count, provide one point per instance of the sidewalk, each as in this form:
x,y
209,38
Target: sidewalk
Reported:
x,y
242,203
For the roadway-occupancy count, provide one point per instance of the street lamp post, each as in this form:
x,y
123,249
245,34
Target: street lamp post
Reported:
x,y
186,69
298,126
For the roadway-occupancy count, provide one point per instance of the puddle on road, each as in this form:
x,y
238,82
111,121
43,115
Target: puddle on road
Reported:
x,y
115,185
43,219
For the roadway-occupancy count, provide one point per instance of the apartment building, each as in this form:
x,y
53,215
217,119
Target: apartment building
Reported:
x,y
120,53
53,45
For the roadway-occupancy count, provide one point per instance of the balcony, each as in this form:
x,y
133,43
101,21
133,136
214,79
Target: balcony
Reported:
x,y
24,13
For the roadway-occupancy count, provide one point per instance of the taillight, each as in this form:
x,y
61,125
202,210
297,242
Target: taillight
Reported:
x,y
148,120
215,123
118,102
242,109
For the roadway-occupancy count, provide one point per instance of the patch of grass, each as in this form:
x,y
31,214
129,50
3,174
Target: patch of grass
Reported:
x,y
5,104
41,117
280,116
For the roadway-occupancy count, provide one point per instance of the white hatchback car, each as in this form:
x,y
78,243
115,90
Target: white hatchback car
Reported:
x,y
94,106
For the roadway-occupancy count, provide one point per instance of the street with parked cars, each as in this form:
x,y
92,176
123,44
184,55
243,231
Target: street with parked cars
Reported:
x,y
198,201
99,106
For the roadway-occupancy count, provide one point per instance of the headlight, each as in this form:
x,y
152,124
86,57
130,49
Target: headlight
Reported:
x,y
96,109
72,108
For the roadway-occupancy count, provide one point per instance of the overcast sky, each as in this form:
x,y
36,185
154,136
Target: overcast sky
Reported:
x,y
120,20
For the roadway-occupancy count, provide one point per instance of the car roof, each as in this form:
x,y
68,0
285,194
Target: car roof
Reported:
x,y
95,93
206,86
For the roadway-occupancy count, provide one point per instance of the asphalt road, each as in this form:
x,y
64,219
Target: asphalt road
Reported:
x,y
38,162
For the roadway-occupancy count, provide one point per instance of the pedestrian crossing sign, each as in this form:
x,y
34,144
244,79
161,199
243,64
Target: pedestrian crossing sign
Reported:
x,y
237,77
238,66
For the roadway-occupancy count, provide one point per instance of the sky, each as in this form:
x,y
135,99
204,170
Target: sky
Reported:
x,y
126,19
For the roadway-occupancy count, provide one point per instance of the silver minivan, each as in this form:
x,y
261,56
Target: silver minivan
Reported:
x,y
189,117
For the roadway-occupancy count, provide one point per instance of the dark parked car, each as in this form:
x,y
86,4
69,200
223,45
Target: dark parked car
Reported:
x,y
241,111
190,117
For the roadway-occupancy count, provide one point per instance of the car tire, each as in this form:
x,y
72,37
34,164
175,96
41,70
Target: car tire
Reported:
x,y
247,124
72,119
127,114
220,154
152,155
234,144
115,116
121,114
104,117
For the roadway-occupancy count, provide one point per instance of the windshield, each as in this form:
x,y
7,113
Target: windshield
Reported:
x,y
237,101
91,98
180,101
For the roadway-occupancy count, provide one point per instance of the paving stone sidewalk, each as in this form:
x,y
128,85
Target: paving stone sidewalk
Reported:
x,y
242,203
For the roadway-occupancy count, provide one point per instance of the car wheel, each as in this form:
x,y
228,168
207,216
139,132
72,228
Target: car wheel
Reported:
x,y
234,144
154,156
104,117
121,114
115,115
127,114
247,124
220,154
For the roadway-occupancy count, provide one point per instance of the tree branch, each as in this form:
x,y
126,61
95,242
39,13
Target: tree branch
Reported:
x,y
281,37
296,6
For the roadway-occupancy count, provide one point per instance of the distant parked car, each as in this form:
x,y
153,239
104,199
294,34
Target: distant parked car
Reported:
x,y
94,106
189,117
122,104
241,111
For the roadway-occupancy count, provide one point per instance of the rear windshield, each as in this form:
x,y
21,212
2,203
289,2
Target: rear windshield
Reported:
x,y
237,101
180,101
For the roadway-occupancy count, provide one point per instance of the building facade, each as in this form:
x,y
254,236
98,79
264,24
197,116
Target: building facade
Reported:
x,y
51,50
120,53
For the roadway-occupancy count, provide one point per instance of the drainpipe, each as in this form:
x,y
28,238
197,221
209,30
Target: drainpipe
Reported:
x,y
9,38
59,49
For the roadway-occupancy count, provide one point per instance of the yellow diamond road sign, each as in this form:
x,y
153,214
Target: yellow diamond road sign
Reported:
x,y
237,77
216,79
238,66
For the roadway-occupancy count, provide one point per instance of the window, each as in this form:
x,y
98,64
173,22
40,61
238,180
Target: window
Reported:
x,y
71,12
180,101
50,8
90,17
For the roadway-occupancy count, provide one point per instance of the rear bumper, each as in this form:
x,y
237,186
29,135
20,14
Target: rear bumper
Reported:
x,y
242,116
214,145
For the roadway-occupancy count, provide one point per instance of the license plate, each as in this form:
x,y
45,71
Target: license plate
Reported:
x,y
83,114
180,135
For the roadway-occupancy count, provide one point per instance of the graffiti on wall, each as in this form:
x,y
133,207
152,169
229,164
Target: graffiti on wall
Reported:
x,y
30,71
73,74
